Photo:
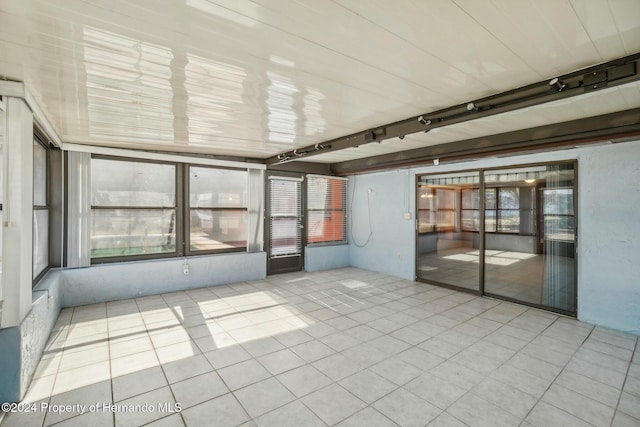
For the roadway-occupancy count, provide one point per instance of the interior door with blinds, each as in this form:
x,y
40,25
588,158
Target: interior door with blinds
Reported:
x,y
284,224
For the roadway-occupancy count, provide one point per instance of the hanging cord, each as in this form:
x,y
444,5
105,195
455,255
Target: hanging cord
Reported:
x,y
353,195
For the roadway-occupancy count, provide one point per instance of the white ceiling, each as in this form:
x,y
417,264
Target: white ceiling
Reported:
x,y
256,78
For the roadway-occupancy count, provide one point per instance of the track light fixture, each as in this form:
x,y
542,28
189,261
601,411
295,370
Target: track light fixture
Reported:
x,y
401,137
424,121
297,153
557,84
471,107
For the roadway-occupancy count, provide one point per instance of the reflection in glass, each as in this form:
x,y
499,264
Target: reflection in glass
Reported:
x,y
118,232
40,241
217,188
530,256
218,229
132,183
218,208
448,225
39,174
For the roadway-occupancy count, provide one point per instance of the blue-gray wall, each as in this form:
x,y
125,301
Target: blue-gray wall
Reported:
x,y
376,209
22,346
318,258
608,226
109,282
609,237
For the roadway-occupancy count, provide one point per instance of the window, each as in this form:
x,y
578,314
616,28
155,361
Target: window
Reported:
x,y
217,209
504,212
438,209
558,216
470,211
326,210
40,209
143,209
133,208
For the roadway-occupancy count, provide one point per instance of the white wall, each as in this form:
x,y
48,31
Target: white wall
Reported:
x,y
608,226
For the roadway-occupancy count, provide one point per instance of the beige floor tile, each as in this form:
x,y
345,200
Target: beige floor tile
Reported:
x,y
304,380
223,411
367,417
137,382
294,414
337,341
280,361
333,404
406,409
368,386
198,389
243,374
262,397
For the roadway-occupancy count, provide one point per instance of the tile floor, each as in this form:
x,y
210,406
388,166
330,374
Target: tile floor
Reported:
x,y
343,347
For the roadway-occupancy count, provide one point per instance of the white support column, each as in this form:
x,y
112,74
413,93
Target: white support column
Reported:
x,y
17,225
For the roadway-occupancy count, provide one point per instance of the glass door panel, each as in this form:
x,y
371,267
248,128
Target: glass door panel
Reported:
x,y
530,235
448,229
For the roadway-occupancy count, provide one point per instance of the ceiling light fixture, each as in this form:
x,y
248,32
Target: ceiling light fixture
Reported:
x,y
471,107
401,137
557,84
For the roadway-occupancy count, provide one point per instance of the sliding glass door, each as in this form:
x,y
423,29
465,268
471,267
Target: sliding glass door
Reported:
x,y
508,233
530,235
447,240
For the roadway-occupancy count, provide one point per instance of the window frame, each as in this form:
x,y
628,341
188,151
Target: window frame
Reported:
x,y
179,239
46,207
496,211
187,212
182,210
327,210
433,228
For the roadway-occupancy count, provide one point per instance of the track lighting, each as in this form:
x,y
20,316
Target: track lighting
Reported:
x,y
401,137
471,107
283,157
424,121
557,84
296,153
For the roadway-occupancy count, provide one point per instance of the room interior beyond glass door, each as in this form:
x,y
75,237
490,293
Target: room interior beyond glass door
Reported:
x,y
448,251
530,235
284,225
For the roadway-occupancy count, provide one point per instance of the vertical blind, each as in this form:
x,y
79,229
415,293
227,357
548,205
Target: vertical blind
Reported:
x,y
326,207
285,217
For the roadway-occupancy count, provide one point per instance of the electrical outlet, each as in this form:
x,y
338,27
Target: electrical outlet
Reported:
x,y
406,215
185,269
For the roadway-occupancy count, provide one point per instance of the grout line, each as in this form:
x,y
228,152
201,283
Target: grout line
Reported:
x,y
624,383
557,375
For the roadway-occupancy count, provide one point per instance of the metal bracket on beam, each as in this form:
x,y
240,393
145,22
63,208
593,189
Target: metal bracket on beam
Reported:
x,y
617,126
612,73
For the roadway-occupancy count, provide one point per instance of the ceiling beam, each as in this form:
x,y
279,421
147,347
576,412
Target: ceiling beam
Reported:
x,y
609,74
613,126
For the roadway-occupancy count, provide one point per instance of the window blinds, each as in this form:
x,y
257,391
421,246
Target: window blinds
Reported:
x,y
285,217
326,206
